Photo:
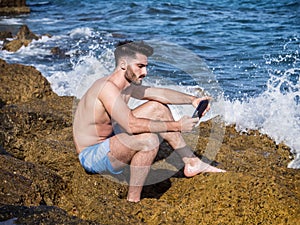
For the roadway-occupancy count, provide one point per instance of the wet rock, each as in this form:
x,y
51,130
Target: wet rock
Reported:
x,y
12,7
23,38
6,11
5,34
25,34
14,45
56,51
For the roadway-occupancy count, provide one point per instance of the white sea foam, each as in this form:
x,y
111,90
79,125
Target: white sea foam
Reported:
x,y
35,49
81,32
11,21
76,82
45,21
28,51
275,112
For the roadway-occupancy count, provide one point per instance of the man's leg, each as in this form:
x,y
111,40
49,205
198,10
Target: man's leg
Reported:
x,y
193,165
140,150
137,150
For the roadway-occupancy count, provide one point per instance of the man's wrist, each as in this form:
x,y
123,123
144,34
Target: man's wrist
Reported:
x,y
176,126
193,98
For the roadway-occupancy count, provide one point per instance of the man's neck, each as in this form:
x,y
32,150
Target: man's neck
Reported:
x,y
118,78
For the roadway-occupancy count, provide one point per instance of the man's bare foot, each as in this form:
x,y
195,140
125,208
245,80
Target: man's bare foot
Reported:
x,y
134,193
133,200
194,166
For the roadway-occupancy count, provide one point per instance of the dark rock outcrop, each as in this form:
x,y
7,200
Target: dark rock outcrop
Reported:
x,y
24,183
23,38
33,215
21,84
12,7
5,34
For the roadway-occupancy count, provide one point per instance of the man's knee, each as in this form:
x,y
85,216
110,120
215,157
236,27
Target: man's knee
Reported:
x,y
150,142
160,110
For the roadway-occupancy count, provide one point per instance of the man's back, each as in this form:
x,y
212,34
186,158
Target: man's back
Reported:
x,y
91,123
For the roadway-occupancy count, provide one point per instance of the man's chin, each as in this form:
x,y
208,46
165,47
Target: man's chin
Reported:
x,y
137,82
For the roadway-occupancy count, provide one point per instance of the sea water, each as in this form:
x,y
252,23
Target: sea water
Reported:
x,y
243,53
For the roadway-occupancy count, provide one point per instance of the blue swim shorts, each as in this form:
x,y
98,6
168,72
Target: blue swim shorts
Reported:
x,y
94,158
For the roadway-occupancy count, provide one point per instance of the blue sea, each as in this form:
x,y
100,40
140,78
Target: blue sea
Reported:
x,y
246,54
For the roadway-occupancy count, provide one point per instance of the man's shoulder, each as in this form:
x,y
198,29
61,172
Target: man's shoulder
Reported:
x,y
103,83
103,88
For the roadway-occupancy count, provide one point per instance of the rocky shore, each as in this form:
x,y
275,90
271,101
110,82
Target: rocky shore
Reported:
x,y
42,181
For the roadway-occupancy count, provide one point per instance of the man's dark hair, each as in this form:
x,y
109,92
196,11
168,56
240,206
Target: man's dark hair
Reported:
x,y
130,48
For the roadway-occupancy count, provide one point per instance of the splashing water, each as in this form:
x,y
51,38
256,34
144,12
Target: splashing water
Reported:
x,y
275,112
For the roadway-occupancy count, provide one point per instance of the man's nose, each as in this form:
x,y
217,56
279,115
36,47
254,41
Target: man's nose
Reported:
x,y
145,71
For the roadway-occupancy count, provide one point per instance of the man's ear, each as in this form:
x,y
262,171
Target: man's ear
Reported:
x,y
123,64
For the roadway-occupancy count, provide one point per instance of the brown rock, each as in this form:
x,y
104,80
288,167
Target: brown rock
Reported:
x,y
11,7
22,124
13,46
5,34
23,38
25,34
36,215
24,183
4,11
59,52
20,83
12,3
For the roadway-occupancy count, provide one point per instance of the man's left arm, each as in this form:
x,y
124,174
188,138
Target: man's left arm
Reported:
x,y
165,95
168,96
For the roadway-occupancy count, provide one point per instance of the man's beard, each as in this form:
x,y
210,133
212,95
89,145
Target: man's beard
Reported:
x,y
134,80
137,82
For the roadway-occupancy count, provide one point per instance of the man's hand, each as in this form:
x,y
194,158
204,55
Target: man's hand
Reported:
x,y
187,123
196,102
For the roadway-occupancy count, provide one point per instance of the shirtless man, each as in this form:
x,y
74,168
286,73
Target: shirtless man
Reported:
x,y
102,147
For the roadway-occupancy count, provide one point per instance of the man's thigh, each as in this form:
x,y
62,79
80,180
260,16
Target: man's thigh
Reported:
x,y
124,146
153,110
